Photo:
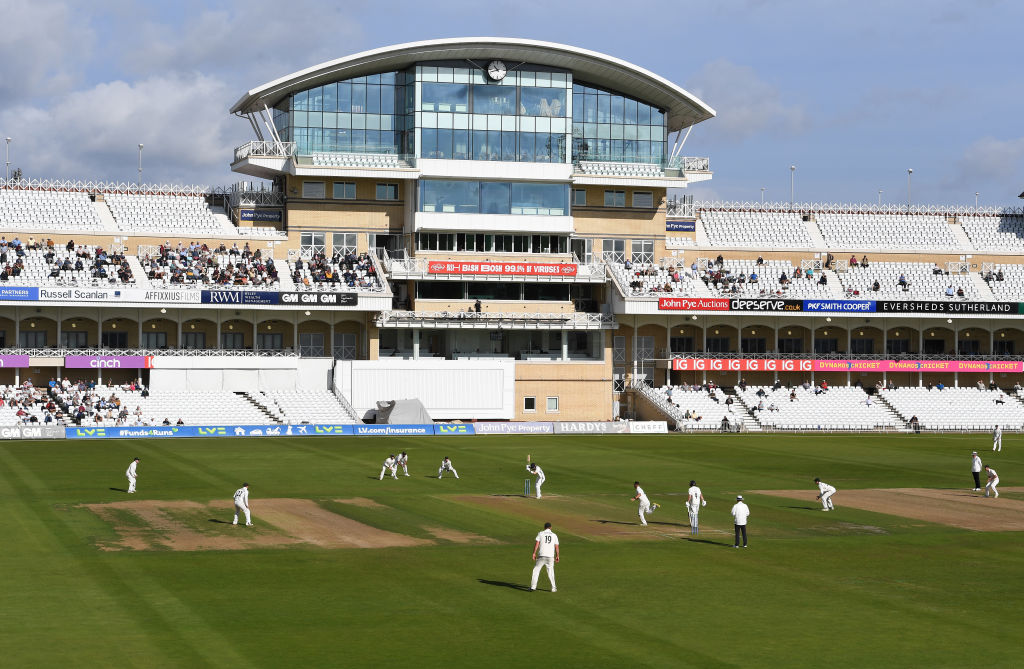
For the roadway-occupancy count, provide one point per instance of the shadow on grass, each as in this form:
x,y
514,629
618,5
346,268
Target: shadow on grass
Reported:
x,y
120,489
218,520
707,541
802,508
504,584
616,522
511,495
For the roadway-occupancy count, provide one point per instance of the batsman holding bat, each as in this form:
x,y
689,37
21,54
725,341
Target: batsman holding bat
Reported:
x,y
533,468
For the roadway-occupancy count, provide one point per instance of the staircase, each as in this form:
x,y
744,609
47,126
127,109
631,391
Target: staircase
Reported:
x,y
964,242
141,280
815,233
701,234
750,423
260,401
835,286
670,411
347,408
106,218
879,399
984,291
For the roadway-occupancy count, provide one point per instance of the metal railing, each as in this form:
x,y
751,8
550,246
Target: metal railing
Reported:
x,y
125,187
666,354
264,149
176,352
689,163
854,208
471,319
258,195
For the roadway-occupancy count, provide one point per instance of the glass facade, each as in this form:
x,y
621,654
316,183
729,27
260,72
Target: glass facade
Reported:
x,y
463,115
363,115
614,128
494,197
452,111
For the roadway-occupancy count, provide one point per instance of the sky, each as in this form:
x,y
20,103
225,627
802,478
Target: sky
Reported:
x,y
852,93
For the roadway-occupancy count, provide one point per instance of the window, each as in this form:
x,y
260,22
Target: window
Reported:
x,y
862,346
387,191
232,341
344,190
343,242
618,349
644,348
193,340
529,404
153,340
313,190
311,344
718,345
681,344
311,243
618,379
1003,347
579,197
934,347
583,249
826,345
643,252
493,197
73,340
969,347
552,405
897,346
615,198
614,250
114,340
643,200
754,345
791,345
345,346
270,341
32,340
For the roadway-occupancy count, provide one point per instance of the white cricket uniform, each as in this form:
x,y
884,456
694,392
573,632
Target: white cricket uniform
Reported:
x,y
403,460
242,504
997,438
645,505
693,501
389,465
993,481
446,466
740,512
132,475
826,492
546,540
976,465
540,477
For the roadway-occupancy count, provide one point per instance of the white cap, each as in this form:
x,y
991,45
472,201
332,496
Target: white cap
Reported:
x,y
739,496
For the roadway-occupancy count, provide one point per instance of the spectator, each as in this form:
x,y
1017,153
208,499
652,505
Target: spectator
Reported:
x,y
853,261
949,290
864,261
936,270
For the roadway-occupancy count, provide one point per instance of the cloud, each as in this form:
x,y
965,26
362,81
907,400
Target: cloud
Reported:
x,y
746,104
94,133
44,46
1000,162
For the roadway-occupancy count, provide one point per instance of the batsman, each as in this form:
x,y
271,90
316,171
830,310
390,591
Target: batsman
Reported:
x,y
534,468
694,501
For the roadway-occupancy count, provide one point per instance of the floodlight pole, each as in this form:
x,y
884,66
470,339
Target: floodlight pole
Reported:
x,y
880,197
910,171
140,165
763,189
792,185
8,158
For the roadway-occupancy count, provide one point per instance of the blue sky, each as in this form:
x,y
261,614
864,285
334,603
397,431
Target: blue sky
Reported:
x,y
852,93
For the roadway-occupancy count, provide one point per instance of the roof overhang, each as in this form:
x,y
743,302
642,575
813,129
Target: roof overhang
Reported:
x,y
682,108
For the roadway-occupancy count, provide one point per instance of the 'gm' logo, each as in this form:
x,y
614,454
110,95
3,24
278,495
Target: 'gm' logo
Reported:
x,y
218,431
452,429
91,432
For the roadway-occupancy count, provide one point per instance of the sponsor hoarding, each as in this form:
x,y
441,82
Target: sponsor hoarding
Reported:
x,y
848,306
256,297
591,427
947,307
31,432
498,268
693,303
13,361
168,431
333,299
453,428
19,293
680,226
181,295
108,362
392,430
261,215
513,428
810,365
760,304
648,427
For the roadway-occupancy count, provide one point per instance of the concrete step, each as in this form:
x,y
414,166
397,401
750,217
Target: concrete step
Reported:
x,y
984,292
815,233
141,280
964,243
106,218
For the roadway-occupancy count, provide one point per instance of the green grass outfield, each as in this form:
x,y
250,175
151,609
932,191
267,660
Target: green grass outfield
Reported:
x,y
813,589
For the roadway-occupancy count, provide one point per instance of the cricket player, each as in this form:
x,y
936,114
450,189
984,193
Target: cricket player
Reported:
x,y
645,504
534,468
976,470
694,500
132,474
740,514
446,466
242,504
390,465
825,492
993,481
403,460
545,554
997,438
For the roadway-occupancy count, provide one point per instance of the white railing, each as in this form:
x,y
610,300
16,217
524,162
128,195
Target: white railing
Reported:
x,y
568,321
258,148
247,193
77,186
418,267
855,208
689,163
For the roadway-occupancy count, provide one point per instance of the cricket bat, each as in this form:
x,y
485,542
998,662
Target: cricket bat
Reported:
x,y
527,458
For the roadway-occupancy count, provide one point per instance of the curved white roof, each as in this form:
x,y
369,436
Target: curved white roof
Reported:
x,y
682,107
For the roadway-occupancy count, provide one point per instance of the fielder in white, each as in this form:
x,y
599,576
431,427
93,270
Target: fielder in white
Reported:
x,y
545,554
997,438
242,504
534,468
993,481
132,474
403,461
825,492
389,466
446,466
694,501
645,504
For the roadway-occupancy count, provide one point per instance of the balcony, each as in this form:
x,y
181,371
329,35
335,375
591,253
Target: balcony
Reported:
x,y
442,320
264,160
257,149
537,270
599,169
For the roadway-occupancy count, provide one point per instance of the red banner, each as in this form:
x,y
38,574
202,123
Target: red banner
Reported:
x,y
693,303
511,268
739,365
